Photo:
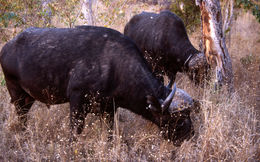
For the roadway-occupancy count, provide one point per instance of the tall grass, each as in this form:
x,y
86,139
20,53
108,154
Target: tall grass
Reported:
x,y
225,129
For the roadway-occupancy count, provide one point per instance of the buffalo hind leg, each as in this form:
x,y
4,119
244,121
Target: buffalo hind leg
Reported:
x,y
22,106
21,100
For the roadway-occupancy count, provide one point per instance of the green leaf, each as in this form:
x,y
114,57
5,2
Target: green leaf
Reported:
x,y
11,15
249,5
2,80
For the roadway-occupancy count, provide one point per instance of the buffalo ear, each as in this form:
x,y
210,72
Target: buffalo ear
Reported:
x,y
153,103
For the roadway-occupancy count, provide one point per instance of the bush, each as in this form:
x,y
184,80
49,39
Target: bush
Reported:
x,y
188,12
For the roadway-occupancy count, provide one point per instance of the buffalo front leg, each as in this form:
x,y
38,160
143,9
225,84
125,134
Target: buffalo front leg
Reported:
x,y
78,112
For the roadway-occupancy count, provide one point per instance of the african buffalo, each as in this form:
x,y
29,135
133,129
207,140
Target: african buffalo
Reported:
x,y
165,43
58,65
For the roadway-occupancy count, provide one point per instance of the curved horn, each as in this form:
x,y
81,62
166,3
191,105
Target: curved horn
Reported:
x,y
166,103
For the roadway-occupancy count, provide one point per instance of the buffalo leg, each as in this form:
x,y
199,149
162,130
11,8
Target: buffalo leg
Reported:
x,y
108,106
22,107
22,101
77,112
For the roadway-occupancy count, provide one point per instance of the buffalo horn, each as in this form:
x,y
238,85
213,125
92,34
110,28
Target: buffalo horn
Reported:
x,y
168,100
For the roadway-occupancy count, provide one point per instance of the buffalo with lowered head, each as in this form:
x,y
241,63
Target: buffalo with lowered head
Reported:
x,y
164,42
58,65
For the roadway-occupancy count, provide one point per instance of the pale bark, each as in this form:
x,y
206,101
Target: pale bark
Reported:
x,y
87,12
46,9
213,41
227,14
227,20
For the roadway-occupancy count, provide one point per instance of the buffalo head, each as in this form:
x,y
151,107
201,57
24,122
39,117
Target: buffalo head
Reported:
x,y
198,68
173,114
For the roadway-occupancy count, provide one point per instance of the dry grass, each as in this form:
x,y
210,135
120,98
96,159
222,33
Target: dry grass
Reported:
x,y
227,128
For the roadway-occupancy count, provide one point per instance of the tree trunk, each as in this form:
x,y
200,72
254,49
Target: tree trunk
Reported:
x,y
87,12
213,42
48,14
227,19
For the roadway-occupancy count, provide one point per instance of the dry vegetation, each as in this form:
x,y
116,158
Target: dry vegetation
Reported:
x,y
227,128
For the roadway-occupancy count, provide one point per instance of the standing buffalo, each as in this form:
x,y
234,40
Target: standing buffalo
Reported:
x,y
165,43
58,65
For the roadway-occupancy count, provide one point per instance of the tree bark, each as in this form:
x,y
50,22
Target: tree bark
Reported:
x,y
88,12
46,9
213,42
227,15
